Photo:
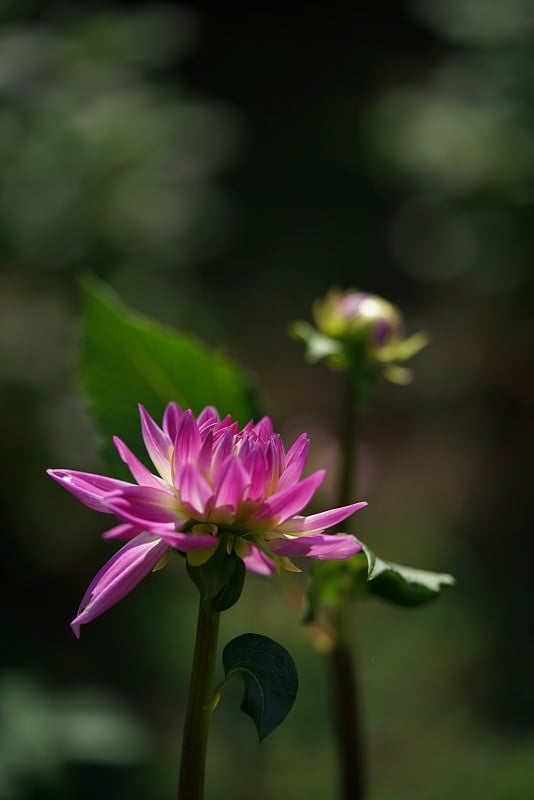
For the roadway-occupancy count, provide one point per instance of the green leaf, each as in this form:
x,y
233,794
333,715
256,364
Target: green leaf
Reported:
x,y
402,585
126,359
318,345
220,580
367,575
269,675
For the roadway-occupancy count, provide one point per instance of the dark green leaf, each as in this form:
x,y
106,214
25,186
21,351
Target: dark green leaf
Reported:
x,y
269,675
126,359
220,580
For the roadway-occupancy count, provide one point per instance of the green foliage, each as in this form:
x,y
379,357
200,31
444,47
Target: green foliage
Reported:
x,y
269,675
367,575
220,580
126,359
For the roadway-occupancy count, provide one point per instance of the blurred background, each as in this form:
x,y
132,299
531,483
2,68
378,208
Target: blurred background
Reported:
x,y
221,165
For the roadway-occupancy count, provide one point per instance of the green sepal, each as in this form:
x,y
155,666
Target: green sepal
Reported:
x,y
366,575
219,580
126,359
270,677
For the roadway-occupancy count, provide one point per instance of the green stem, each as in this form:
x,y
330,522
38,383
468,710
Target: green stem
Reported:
x,y
342,664
199,707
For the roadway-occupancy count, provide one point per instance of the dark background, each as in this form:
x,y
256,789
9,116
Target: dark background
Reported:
x,y
222,165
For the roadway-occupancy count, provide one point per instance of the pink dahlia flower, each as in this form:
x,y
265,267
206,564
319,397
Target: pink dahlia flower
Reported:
x,y
213,484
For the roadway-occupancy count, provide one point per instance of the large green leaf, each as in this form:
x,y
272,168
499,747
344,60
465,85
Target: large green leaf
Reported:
x,y
269,675
367,575
126,359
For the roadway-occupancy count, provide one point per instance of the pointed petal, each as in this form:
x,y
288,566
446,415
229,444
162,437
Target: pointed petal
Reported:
x,y
145,507
204,456
295,462
264,428
230,483
318,522
195,491
208,416
171,418
157,443
323,546
290,501
91,489
118,577
125,531
187,542
256,561
222,448
186,442
257,469
141,474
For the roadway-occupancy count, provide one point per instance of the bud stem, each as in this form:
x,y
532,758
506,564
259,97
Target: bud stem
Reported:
x,y
341,659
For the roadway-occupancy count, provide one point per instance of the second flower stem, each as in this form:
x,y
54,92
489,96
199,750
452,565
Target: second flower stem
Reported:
x,y
342,664
199,707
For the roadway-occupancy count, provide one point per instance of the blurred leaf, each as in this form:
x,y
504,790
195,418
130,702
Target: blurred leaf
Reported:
x,y
366,575
401,585
220,580
126,359
318,345
269,675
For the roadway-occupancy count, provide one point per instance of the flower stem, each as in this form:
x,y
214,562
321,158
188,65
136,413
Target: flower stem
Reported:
x,y
199,707
342,664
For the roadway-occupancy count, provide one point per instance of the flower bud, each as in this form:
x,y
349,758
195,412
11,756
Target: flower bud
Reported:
x,y
359,318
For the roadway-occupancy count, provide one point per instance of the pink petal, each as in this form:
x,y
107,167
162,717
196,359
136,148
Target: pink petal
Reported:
x,y
187,542
91,489
256,468
256,561
222,448
230,483
295,462
141,474
264,428
208,416
119,576
171,418
324,547
125,531
290,501
195,491
186,442
145,507
157,443
318,522
206,449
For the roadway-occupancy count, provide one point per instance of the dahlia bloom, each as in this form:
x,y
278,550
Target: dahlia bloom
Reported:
x,y
214,486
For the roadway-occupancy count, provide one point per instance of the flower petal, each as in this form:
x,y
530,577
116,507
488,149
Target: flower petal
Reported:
x,y
146,507
91,489
287,502
195,491
186,441
256,561
318,522
323,546
125,531
157,443
187,542
295,462
118,577
171,418
230,483
141,474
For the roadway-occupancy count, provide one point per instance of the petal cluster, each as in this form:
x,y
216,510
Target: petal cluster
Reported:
x,y
211,485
